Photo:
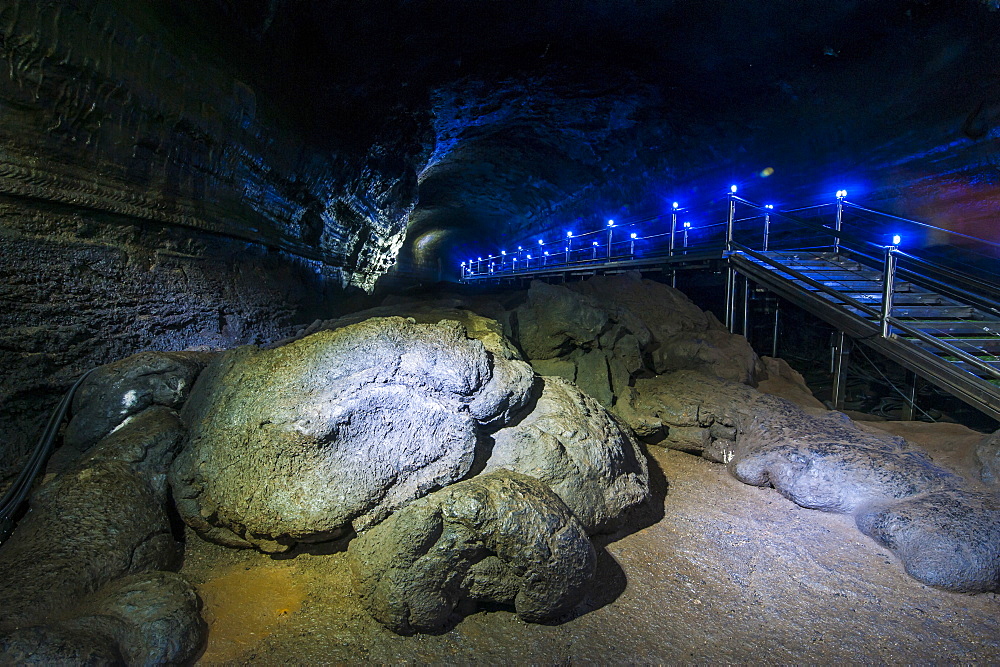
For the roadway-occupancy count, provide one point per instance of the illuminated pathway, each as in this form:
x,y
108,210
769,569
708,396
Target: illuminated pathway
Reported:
x,y
936,314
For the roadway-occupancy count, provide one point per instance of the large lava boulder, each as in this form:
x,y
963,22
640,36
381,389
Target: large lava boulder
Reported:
x,y
338,429
570,442
502,538
988,458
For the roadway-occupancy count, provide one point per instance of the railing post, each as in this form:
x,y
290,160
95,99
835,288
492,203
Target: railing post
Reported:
x,y
767,225
673,230
732,218
746,308
777,326
841,357
840,219
611,227
730,298
888,280
569,245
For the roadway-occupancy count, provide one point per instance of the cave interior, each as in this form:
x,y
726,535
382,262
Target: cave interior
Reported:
x,y
185,178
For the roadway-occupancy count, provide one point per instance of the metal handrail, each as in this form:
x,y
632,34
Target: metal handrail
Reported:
x,y
897,323
921,224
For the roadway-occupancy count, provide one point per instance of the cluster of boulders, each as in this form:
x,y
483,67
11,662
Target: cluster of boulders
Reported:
x,y
400,430
88,573
469,457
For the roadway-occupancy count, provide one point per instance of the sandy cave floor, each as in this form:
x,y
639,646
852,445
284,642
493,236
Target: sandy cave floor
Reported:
x,y
728,573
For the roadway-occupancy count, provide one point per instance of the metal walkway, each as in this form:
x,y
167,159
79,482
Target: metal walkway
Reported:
x,y
936,316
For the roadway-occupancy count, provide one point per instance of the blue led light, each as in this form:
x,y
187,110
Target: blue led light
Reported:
x,y
569,235
732,188
768,205
611,223
687,224
676,204
595,242
634,235
503,252
896,239
841,194
541,242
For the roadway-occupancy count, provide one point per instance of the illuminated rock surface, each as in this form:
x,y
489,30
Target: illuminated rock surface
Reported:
x,y
503,538
945,532
338,429
581,451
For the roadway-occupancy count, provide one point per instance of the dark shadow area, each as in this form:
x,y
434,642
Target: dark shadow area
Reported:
x,y
647,514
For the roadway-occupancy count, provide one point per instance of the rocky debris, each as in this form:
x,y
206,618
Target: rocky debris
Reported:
x,y
687,411
115,392
338,429
502,538
92,546
988,458
607,332
570,442
944,532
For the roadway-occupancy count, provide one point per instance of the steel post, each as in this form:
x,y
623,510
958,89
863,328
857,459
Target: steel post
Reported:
x,y
888,284
730,294
910,404
841,357
746,307
839,223
730,222
774,331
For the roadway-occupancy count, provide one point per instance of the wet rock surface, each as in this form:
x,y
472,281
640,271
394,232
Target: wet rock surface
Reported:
x,y
580,451
338,429
501,538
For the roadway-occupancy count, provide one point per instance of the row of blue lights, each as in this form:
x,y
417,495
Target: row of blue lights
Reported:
x,y
841,195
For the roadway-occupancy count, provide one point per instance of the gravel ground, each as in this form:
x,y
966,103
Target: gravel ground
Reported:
x,y
718,572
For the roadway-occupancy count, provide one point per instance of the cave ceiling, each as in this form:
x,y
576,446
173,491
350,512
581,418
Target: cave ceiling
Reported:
x,y
460,125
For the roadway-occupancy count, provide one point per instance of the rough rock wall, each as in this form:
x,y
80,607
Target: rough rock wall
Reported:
x,y
149,198
109,106
79,288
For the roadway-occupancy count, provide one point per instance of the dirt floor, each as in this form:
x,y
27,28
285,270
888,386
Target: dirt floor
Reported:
x,y
720,572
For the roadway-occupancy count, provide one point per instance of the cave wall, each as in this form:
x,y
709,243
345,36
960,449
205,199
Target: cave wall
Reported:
x,y
150,200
